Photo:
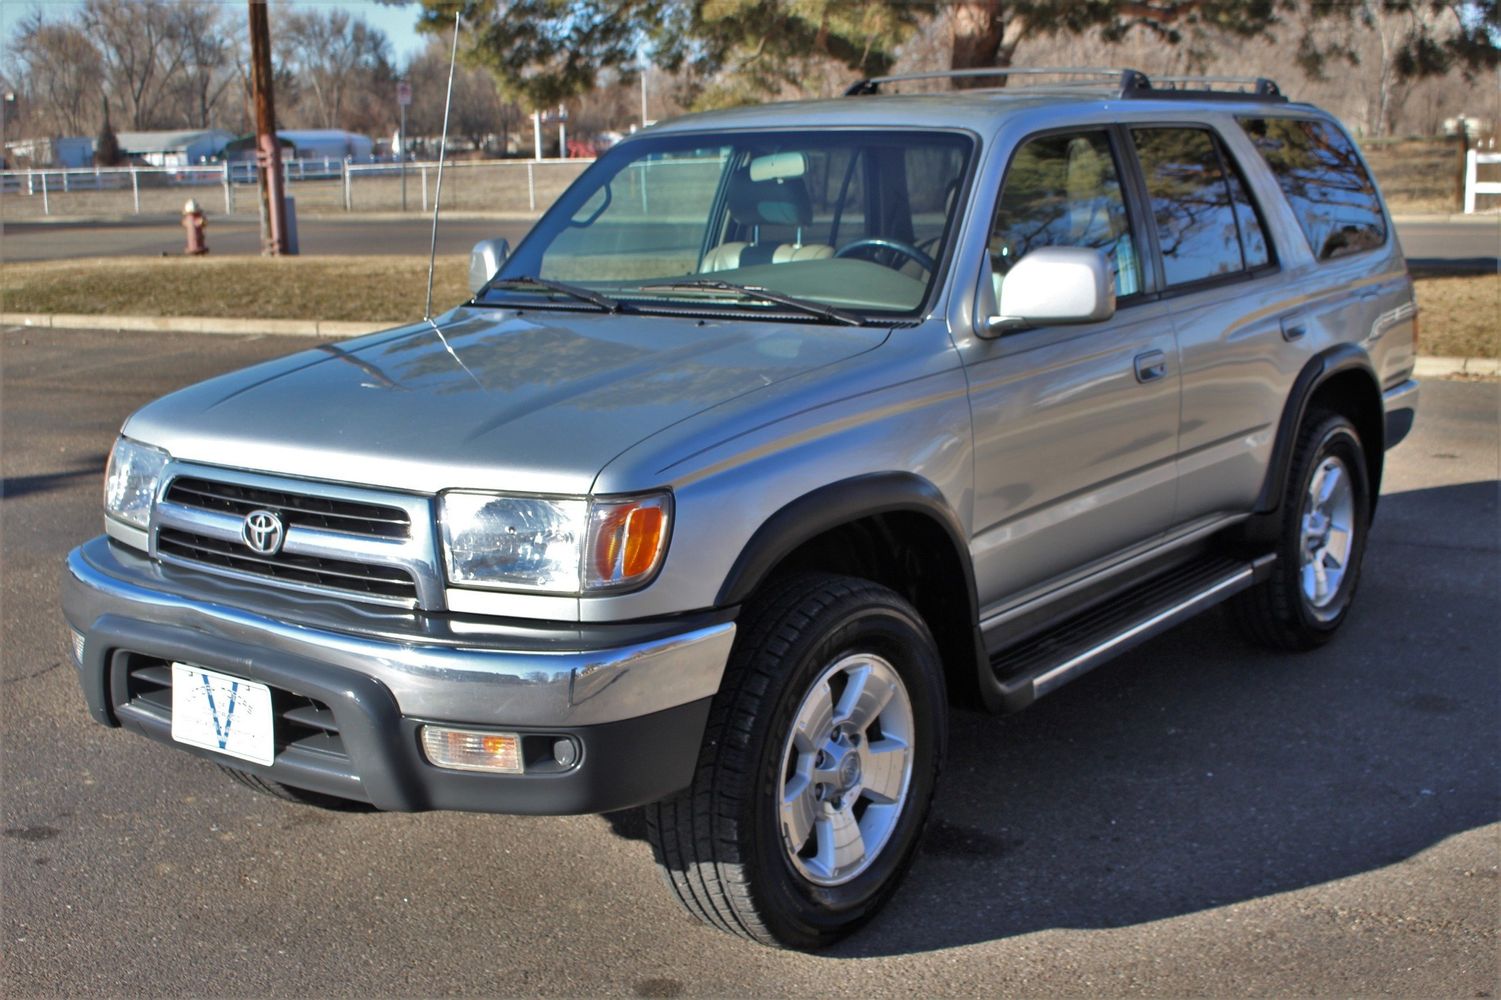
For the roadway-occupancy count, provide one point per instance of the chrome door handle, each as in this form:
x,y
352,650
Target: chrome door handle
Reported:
x,y
1151,366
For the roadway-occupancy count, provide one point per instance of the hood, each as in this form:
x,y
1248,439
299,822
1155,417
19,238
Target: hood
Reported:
x,y
534,402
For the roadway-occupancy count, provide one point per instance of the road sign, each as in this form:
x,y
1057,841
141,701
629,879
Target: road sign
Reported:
x,y
403,93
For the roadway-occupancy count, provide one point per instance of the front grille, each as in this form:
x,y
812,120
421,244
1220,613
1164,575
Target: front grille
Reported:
x,y
349,516
288,567
302,723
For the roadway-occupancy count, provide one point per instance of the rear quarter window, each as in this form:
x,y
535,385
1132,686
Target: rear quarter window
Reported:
x,y
1325,183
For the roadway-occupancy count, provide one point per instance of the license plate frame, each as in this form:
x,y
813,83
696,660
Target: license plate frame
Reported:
x,y
223,713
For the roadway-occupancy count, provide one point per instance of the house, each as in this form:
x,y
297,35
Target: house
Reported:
x,y
183,148
330,144
57,151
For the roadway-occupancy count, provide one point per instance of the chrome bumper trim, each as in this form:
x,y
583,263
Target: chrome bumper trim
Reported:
x,y
1401,397
475,684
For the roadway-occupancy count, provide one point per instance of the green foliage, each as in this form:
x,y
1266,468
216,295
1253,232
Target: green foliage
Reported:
x,y
544,52
1433,36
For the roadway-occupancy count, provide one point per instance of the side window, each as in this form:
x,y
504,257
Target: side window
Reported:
x,y
1194,206
1064,190
1325,183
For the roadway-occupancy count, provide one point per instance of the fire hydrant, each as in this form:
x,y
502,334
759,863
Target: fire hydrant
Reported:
x,y
192,221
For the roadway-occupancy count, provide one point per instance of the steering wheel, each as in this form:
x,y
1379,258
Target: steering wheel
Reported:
x,y
907,250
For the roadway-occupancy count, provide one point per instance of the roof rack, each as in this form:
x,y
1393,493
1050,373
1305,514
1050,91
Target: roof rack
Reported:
x,y
1126,84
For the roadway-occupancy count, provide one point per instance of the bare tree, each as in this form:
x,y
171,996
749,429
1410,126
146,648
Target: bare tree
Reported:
x,y
479,111
59,76
139,47
209,39
340,60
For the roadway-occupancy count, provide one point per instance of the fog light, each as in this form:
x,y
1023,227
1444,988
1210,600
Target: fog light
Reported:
x,y
469,750
77,646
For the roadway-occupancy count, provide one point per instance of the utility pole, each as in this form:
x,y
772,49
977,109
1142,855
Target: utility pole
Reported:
x,y
644,71
268,151
403,98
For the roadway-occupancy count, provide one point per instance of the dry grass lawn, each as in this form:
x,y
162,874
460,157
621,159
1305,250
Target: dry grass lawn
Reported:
x,y
374,289
1460,317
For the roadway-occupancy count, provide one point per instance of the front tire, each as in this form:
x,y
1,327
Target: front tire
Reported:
x,y
817,768
1326,514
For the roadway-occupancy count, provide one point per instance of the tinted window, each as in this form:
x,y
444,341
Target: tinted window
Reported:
x,y
1324,181
1196,218
1063,190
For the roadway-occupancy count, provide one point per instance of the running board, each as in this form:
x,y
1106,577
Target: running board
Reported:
x,y
1045,662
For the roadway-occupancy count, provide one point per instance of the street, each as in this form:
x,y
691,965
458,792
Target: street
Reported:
x,y
1198,817
1433,246
238,235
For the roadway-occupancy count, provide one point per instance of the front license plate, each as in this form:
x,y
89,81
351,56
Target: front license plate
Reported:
x,y
226,714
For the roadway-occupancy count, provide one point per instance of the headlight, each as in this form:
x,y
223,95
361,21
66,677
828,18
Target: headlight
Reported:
x,y
570,545
130,482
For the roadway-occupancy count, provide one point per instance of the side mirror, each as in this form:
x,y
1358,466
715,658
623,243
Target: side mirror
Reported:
x,y
1048,287
485,261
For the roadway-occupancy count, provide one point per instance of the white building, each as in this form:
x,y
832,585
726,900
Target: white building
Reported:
x,y
327,143
174,149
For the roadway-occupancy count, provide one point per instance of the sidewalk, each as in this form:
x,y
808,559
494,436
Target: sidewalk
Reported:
x,y
1427,366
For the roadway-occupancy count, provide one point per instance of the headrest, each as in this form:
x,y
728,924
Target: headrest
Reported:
x,y
783,201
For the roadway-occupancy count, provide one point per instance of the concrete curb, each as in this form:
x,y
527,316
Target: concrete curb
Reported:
x,y
196,324
1427,366
1434,367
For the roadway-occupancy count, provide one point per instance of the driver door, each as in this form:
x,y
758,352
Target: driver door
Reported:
x,y
1075,427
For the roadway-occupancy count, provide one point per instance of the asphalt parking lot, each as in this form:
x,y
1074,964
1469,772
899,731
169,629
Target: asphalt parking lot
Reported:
x,y
1198,817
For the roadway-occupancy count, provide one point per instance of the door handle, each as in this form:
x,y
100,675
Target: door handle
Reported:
x,y
1293,328
1151,366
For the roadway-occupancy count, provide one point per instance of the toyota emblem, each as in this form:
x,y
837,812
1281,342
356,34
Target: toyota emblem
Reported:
x,y
263,532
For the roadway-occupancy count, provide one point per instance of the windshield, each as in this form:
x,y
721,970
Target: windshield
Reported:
x,y
822,226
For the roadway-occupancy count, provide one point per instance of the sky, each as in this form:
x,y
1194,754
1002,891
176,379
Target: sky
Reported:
x,y
398,22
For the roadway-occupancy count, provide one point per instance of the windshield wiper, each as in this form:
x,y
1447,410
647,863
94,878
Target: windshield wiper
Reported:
x,y
572,291
759,292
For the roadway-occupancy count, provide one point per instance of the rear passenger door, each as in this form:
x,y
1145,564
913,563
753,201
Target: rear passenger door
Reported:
x,y
1218,273
1075,427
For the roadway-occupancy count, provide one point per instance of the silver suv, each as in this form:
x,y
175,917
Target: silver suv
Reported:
x,y
784,430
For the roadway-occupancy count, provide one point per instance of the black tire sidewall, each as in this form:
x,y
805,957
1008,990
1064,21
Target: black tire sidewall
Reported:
x,y
810,912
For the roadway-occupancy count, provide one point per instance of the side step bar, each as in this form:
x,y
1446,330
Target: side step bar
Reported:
x,y
1046,662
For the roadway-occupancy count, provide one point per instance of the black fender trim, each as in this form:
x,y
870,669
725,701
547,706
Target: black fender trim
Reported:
x,y
849,500
1321,368
828,507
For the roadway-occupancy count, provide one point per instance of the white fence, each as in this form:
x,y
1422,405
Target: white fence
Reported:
x,y
496,186
1473,185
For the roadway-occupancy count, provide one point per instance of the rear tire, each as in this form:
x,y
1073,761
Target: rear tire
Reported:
x,y
1325,515
817,767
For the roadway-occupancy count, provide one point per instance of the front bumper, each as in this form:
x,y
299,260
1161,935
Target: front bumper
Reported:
x,y
633,699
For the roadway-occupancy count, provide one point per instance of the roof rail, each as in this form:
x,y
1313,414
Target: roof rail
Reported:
x,y
1256,88
1121,78
1127,84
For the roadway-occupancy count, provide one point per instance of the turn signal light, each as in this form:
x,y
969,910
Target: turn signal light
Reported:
x,y
627,540
471,750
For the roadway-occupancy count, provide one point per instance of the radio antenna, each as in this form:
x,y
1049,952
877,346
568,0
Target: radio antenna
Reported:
x,y
432,250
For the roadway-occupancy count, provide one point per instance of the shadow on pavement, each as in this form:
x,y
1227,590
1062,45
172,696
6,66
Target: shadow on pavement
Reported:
x,y
90,466
1199,771
1450,267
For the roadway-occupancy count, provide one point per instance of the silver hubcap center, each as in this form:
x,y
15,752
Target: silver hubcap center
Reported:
x,y
846,767
1327,533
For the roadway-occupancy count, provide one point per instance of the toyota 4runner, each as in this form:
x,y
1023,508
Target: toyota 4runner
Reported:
x,y
785,429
